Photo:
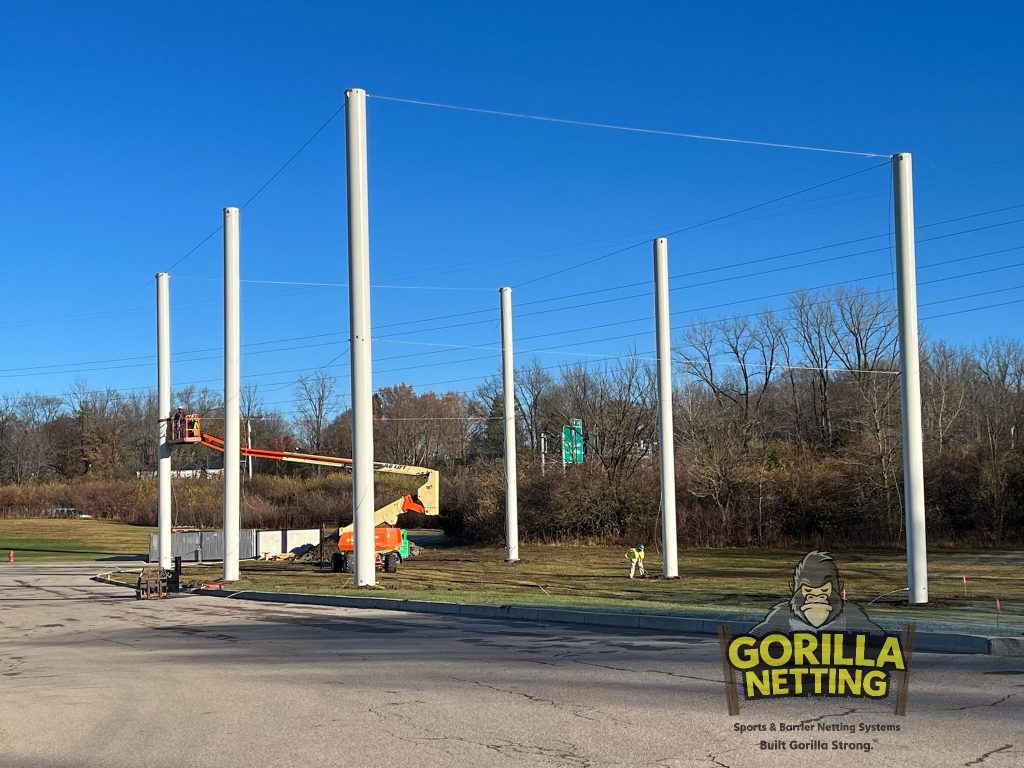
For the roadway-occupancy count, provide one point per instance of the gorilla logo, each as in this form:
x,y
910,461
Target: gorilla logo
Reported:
x,y
816,603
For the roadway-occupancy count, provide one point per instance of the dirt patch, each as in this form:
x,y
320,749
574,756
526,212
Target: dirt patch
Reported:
x,y
325,550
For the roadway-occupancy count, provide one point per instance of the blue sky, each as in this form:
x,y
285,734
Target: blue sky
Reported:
x,y
127,127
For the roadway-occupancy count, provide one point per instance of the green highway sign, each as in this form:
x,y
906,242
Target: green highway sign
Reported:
x,y
572,442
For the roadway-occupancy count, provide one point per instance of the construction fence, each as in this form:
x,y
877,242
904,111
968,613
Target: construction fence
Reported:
x,y
208,546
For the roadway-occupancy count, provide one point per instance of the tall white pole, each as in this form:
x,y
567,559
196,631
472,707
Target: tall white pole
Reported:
x,y
359,324
666,442
232,395
508,376
910,379
163,408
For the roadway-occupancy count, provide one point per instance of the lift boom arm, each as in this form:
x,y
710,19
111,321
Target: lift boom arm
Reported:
x,y
425,500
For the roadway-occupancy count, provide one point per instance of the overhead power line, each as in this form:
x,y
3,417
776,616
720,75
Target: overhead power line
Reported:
x,y
629,129
691,310
974,309
598,357
66,369
263,186
146,360
344,285
703,223
562,297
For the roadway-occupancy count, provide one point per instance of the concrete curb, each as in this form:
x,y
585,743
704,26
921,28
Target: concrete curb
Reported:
x,y
105,580
934,642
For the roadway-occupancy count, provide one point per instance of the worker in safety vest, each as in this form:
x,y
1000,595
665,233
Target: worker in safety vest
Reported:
x,y
636,558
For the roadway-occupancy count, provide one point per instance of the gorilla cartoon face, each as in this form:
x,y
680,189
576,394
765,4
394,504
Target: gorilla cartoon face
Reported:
x,y
816,589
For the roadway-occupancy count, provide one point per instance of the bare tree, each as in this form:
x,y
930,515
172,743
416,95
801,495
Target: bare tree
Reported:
x,y
813,321
534,386
317,402
945,384
425,430
617,407
736,359
26,447
1001,393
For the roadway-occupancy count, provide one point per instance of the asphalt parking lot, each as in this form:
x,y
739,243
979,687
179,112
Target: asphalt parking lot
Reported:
x,y
89,676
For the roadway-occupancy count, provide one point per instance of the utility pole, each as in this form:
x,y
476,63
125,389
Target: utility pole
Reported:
x,y
910,379
509,404
232,395
359,326
543,452
666,443
163,399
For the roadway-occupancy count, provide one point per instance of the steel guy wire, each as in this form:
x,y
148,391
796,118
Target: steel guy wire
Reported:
x,y
265,184
630,129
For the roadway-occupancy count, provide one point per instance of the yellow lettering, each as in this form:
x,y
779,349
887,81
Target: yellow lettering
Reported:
x,y
826,650
860,659
761,682
819,672
891,653
743,653
849,681
785,650
809,664
805,647
876,684
780,685
838,658
798,680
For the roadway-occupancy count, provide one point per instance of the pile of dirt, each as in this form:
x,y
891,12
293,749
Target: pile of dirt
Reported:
x,y
312,555
330,546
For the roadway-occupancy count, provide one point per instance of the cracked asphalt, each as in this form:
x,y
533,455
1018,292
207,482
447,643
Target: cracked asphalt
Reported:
x,y
92,678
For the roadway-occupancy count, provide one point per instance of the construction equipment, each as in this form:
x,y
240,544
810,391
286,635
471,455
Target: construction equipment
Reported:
x,y
151,584
391,544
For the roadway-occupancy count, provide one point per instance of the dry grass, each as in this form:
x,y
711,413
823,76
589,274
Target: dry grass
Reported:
x,y
713,581
73,539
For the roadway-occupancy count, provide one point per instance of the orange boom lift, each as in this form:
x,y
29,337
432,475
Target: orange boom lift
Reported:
x,y
391,543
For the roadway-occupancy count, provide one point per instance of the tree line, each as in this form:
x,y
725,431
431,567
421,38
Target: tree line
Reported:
x,y
787,431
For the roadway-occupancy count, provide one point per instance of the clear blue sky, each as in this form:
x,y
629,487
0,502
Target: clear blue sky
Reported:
x,y
127,127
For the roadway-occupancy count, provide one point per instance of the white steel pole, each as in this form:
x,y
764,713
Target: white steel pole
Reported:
x,y
163,407
509,405
232,395
910,379
666,442
359,324
543,452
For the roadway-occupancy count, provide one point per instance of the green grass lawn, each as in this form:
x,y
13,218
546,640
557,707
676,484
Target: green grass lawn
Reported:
x,y
713,582
73,539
